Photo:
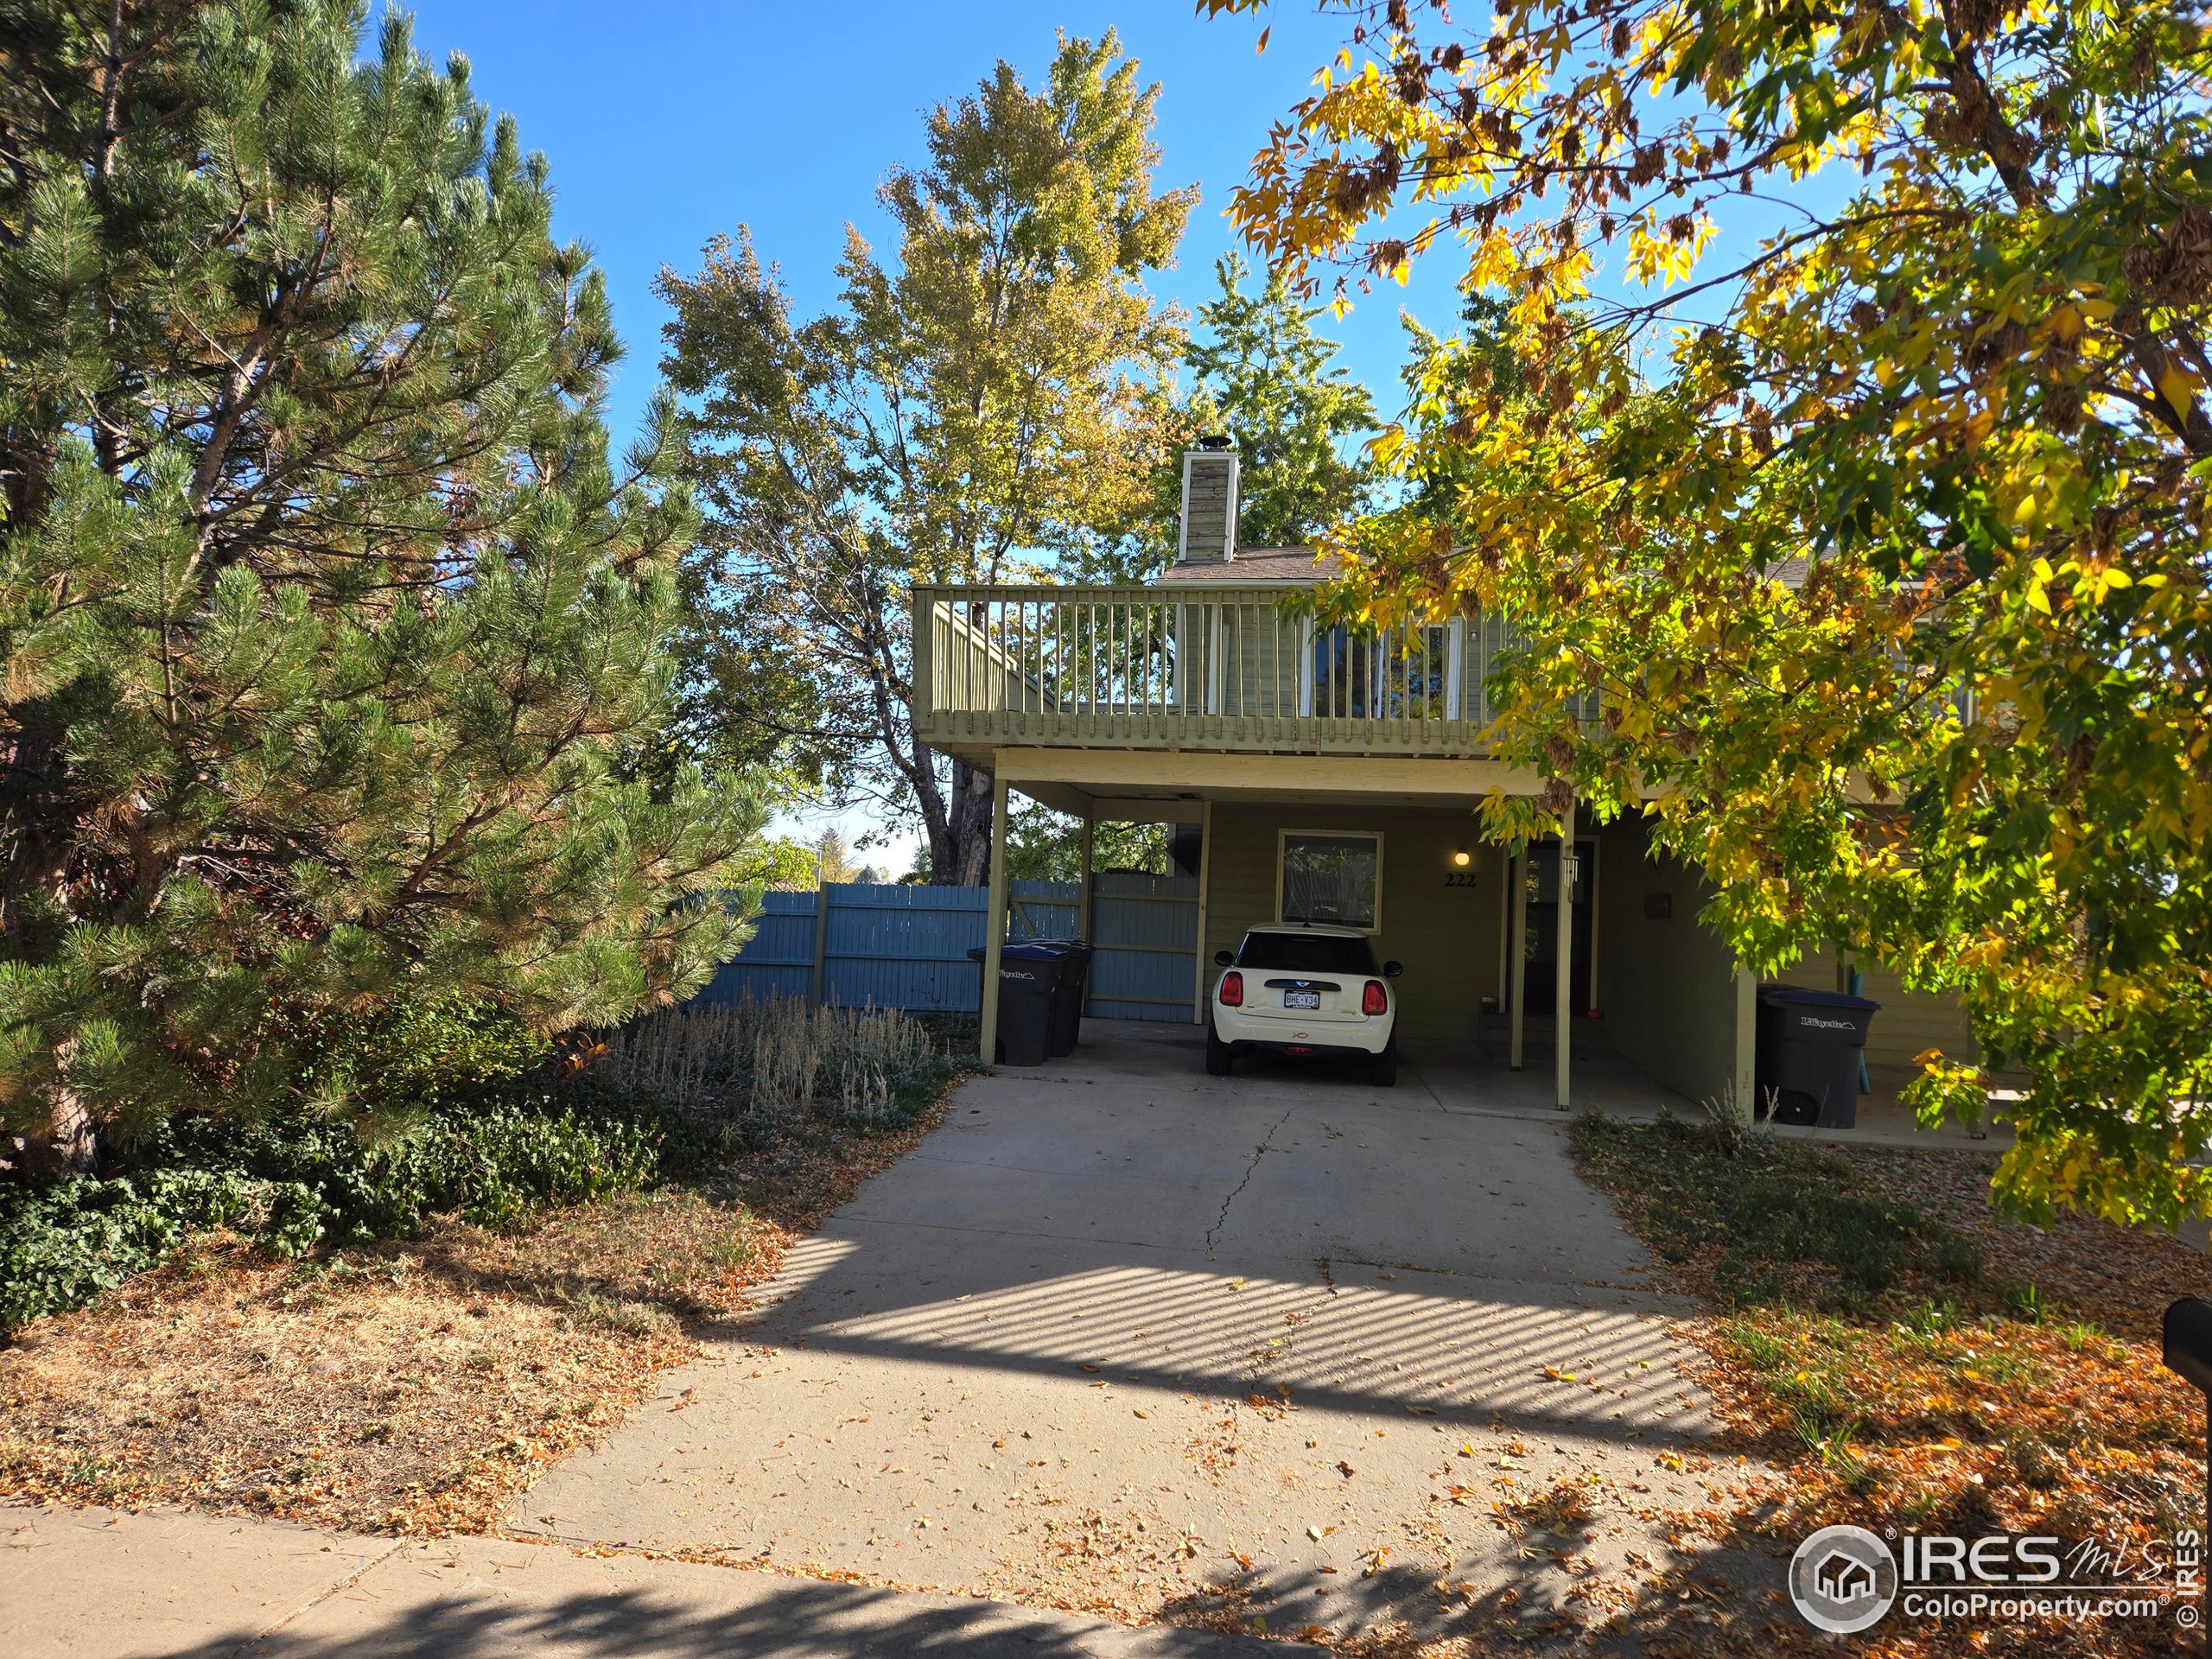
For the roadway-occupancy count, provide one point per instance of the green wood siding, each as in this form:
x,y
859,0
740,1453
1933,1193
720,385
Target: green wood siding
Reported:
x,y
1910,1021
1446,936
1665,987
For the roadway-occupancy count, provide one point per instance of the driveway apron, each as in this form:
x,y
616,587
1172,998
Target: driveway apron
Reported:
x,y
1122,1338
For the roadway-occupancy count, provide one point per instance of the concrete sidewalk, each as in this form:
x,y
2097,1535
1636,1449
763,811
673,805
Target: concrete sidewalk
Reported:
x,y
93,1584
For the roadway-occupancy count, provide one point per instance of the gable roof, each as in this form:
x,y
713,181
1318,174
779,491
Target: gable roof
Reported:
x,y
1285,565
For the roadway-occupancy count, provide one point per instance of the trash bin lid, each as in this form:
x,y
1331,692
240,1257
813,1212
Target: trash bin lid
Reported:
x,y
1018,950
1805,996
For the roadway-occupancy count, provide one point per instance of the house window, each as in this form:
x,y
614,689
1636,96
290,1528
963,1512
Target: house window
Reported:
x,y
1332,876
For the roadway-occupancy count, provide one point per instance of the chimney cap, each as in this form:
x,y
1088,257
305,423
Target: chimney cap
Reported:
x,y
1214,441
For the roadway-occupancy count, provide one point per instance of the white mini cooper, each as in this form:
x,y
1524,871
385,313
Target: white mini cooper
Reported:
x,y
1305,990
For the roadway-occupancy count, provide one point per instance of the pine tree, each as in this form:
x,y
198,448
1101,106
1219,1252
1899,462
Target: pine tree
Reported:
x,y
1267,379
333,678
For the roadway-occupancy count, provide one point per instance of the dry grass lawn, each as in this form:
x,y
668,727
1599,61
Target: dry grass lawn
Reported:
x,y
1910,1361
410,1388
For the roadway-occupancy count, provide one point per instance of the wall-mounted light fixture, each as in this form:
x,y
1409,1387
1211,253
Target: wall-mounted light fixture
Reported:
x,y
1461,858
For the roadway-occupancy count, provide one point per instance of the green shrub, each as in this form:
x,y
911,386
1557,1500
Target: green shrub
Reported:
x,y
292,1186
476,1140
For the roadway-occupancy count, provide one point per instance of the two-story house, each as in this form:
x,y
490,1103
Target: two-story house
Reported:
x,y
1334,775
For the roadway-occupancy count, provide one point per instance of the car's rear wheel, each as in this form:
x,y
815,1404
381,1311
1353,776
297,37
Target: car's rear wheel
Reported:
x,y
1219,1056
1382,1070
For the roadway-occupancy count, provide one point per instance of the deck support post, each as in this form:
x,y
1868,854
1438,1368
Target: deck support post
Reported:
x,y
1519,880
993,923
1563,980
1200,961
1082,898
1504,934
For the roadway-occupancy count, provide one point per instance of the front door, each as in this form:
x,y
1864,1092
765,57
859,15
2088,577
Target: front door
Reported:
x,y
1543,926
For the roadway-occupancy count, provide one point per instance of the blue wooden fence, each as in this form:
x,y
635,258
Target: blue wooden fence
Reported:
x,y
1146,928
902,947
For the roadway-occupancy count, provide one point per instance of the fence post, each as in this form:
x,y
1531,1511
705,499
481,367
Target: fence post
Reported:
x,y
821,943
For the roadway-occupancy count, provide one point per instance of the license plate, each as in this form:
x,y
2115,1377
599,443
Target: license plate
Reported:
x,y
1301,999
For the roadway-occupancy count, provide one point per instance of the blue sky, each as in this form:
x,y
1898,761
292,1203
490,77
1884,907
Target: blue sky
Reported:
x,y
667,123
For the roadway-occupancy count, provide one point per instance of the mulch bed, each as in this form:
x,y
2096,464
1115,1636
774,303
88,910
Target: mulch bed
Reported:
x,y
409,1387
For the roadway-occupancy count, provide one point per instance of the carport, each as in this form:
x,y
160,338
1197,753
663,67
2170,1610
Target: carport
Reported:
x,y
1495,962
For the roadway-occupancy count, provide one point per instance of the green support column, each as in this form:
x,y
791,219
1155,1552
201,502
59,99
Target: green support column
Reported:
x,y
1747,1037
1563,973
993,923
1083,900
1201,963
1519,897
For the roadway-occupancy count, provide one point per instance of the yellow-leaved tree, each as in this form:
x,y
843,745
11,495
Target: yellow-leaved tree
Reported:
x,y
1844,423
982,405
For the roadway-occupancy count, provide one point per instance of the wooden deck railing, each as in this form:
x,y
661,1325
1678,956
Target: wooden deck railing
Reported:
x,y
1217,667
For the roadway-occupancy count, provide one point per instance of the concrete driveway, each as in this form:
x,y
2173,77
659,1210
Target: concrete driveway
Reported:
x,y
1124,1338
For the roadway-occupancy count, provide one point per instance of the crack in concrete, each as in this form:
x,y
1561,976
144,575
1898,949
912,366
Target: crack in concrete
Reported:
x,y
336,1586
1267,1145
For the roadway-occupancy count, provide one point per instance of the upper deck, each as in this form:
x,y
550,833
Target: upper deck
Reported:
x,y
1216,667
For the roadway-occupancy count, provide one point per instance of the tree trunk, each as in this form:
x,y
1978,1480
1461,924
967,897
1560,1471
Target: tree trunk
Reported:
x,y
70,1140
958,827
971,800
36,820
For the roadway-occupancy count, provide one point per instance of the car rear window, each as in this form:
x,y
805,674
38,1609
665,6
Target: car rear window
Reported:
x,y
1307,953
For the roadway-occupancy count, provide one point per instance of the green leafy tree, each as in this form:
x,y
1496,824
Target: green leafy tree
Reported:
x,y
1260,374
972,412
781,862
1264,376
332,646
1042,845
1884,536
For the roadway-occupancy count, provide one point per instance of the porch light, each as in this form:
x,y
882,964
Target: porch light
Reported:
x,y
1462,857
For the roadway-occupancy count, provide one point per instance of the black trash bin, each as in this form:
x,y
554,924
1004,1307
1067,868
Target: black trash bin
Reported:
x,y
1068,996
1809,1049
1027,973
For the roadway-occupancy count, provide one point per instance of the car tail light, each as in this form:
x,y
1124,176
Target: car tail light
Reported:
x,y
1232,989
1375,1000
